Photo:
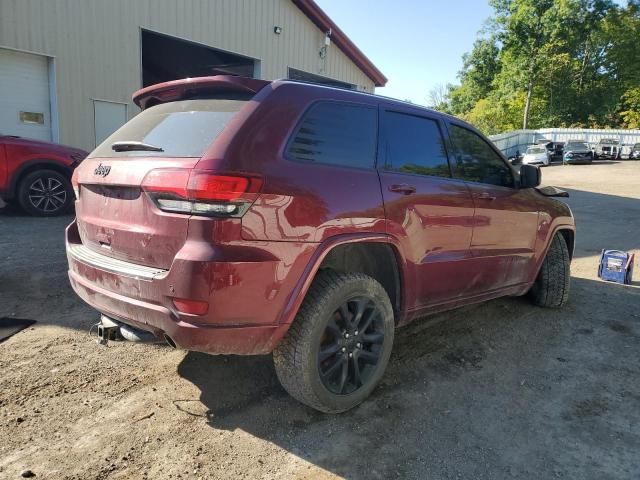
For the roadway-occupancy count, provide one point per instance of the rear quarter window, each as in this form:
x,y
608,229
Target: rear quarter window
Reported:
x,y
337,134
182,129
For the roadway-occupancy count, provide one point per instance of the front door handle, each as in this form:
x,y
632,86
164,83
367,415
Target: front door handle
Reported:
x,y
485,196
403,188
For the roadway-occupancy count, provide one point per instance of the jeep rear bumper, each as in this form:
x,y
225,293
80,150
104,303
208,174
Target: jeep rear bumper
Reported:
x,y
241,340
140,297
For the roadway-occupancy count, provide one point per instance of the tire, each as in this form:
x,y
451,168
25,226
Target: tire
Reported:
x,y
551,288
321,323
45,193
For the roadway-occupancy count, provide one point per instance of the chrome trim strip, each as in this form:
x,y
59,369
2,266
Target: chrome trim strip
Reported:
x,y
113,265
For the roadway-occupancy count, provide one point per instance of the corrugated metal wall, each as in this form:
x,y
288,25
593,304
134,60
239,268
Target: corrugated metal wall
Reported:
x,y
96,45
518,140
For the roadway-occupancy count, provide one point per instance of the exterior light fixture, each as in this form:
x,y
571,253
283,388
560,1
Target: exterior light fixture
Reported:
x,y
277,30
327,42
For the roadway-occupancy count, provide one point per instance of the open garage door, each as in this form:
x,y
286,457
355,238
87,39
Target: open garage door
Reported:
x,y
25,105
167,58
295,74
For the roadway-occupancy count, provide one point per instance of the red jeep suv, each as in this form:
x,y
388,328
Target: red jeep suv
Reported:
x,y
37,175
240,216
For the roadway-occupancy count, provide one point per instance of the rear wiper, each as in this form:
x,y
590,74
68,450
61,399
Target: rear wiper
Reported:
x,y
131,146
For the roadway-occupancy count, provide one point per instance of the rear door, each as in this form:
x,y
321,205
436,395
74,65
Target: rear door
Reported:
x,y
115,217
427,210
506,218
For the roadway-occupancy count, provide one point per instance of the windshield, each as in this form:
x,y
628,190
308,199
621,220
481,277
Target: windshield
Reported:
x,y
178,129
608,141
636,146
535,150
576,146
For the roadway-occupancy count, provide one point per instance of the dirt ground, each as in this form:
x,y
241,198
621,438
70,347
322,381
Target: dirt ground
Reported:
x,y
501,390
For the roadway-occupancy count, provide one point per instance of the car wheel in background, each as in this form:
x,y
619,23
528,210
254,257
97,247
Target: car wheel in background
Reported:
x,y
339,344
551,288
45,193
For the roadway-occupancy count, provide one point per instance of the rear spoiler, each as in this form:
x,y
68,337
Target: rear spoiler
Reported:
x,y
189,87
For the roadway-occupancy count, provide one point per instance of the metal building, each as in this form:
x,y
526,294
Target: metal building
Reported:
x,y
68,67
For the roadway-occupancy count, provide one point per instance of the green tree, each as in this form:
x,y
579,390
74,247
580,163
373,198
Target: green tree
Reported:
x,y
631,108
479,69
551,63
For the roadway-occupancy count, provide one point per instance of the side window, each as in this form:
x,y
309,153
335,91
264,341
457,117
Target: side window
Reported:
x,y
414,145
476,161
336,133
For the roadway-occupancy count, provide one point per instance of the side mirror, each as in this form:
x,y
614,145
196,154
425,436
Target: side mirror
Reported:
x,y
530,176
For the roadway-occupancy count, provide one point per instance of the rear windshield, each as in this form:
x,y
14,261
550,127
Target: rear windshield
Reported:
x,y
536,150
181,129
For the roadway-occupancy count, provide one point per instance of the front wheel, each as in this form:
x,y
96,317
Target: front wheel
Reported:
x,y
339,344
551,288
45,193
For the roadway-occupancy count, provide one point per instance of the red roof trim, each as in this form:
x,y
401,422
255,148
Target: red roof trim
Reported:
x,y
311,9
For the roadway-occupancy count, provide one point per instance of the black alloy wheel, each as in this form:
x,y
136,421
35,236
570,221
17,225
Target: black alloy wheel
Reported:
x,y
45,193
351,346
338,347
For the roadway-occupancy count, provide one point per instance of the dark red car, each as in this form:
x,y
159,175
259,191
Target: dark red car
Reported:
x,y
37,175
240,216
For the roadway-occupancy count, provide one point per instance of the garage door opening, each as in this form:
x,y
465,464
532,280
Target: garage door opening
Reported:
x,y
295,74
166,58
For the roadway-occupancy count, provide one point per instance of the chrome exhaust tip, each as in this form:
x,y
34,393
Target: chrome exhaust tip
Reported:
x,y
110,329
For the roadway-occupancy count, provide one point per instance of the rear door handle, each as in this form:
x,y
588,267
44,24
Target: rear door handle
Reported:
x,y
403,188
485,196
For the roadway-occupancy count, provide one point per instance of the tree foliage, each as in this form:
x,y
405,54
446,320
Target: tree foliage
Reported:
x,y
552,63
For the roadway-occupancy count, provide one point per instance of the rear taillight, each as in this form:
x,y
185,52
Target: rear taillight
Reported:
x,y
201,192
76,185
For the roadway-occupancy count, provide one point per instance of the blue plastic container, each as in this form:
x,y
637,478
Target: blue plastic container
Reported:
x,y
616,266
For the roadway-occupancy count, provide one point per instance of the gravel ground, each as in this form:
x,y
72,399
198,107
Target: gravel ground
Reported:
x,y
501,390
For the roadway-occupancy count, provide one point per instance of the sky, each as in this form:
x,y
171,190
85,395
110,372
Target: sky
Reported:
x,y
417,44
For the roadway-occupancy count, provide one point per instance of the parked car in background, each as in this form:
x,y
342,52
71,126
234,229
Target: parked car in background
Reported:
x,y
607,148
36,175
536,155
634,154
577,152
555,151
241,216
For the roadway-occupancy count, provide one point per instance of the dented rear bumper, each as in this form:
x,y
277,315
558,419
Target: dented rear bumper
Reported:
x,y
142,297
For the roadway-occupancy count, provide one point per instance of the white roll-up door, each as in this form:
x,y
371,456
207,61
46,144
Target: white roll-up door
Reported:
x,y
24,95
